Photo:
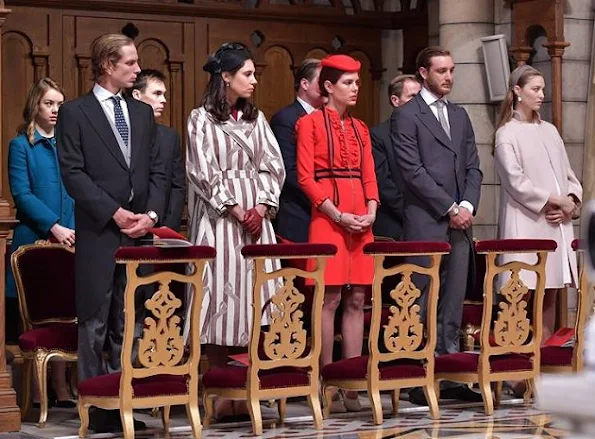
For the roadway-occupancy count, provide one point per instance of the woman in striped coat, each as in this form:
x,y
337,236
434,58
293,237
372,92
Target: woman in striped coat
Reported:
x,y
235,173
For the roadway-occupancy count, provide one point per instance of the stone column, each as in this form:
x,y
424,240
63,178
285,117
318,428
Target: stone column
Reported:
x,y
462,24
10,414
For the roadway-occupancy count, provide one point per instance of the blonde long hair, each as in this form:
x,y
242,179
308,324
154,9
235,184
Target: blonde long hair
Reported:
x,y
36,93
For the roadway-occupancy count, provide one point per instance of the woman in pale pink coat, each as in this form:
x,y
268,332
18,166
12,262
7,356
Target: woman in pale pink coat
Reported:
x,y
539,192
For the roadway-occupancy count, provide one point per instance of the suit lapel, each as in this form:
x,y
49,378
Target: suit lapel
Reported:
x,y
431,122
135,132
98,120
457,127
298,109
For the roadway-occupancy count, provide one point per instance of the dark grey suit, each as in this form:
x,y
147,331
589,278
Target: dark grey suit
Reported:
x,y
437,172
389,218
168,142
97,176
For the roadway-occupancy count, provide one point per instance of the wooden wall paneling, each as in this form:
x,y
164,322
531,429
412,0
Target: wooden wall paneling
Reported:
x,y
314,53
153,54
367,99
70,70
275,89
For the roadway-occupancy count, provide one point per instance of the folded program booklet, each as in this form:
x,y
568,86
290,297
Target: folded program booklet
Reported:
x,y
166,237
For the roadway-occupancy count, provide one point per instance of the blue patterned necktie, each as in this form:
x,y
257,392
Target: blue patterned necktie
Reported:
x,y
121,124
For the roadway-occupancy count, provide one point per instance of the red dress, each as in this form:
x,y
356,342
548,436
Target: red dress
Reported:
x,y
343,171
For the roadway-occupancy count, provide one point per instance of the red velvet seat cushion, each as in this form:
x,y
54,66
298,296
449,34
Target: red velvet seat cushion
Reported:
x,y
236,377
466,362
288,250
515,245
158,385
556,356
407,247
356,368
164,254
472,314
59,336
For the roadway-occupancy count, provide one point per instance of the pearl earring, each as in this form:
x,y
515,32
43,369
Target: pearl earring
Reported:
x,y
226,84
519,98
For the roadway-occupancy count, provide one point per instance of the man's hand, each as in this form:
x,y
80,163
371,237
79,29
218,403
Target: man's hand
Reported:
x,y
124,218
140,227
63,235
462,221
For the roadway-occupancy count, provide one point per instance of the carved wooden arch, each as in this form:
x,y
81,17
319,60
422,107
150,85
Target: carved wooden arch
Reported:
x,y
275,73
366,101
154,54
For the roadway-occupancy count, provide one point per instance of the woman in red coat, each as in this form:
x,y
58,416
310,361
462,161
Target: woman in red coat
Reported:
x,y
336,171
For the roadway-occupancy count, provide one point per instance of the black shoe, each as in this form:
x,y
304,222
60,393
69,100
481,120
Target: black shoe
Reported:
x,y
417,396
461,393
66,404
109,421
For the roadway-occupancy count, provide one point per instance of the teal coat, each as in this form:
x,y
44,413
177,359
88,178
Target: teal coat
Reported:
x,y
38,192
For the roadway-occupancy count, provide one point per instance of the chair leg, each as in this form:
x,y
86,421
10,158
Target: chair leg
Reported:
x,y
328,400
84,417
255,415
165,417
395,397
209,405
530,390
41,372
193,415
314,401
127,423
486,393
155,412
374,396
281,407
432,398
498,394
27,394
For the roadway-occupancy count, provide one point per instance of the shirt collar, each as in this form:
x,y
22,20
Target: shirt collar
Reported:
x,y
38,138
429,97
103,94
307,107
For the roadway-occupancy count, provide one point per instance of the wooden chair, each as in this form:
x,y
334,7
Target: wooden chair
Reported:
x,y
44,276
405,356
281,364
559,359
162,375
510,344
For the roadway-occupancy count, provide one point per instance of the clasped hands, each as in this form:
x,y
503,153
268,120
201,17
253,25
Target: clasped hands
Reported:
x,y
131,224
462,221
559,209
251,219
356,223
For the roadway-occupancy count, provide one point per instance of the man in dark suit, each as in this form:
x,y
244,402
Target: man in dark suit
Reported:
x,y
293,217
149,88
436,152
389,218
112,168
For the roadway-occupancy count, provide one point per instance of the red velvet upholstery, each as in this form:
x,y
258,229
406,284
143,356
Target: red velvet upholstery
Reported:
x,y
236,377
468,362
63,337
158,385
288,250
472,314
407,247
578,244
556,356
163,254
47,274
515,245
357,369
491,338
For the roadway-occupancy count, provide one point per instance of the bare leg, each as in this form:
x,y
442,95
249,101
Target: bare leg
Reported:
x,y
549,313
332,298
59,380
352,325
217,356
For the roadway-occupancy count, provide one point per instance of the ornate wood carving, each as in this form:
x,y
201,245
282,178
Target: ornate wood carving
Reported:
x,y
404,331
512,327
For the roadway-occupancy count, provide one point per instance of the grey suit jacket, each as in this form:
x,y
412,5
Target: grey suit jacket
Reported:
x,y
437,171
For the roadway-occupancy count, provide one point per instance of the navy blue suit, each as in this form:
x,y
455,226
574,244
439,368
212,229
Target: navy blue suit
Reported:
x,y
293,217
38,192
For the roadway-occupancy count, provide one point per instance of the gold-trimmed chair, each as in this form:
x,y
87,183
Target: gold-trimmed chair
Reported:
x,y
560,359
281,363
510,344
401,355
162,375
44,276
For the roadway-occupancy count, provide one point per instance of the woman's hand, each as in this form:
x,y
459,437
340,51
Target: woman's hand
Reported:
x,y
237,212
253,223
366,220
64,235
351,223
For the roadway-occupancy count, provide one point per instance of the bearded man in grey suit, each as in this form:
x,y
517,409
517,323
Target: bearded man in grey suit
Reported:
x,y
435,150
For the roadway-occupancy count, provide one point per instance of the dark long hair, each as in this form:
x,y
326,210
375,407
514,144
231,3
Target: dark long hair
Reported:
x,y
214,99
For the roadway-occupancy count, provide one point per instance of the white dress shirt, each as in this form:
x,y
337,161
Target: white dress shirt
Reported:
x,y
430,98
104,98
307,107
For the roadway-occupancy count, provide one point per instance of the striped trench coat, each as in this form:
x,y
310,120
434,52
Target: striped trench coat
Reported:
x,y
233,162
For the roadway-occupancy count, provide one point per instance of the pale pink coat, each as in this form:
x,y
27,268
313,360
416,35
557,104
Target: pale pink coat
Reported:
x,y
532,163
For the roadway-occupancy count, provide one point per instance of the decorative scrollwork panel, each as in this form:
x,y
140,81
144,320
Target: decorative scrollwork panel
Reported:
x,y
404,331
512,327
161,343
286,337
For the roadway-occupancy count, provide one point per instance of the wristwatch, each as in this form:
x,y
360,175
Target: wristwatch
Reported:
x,y
338,217
153,216
454,211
